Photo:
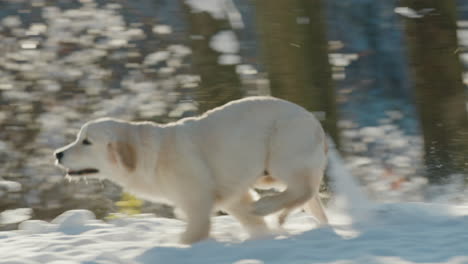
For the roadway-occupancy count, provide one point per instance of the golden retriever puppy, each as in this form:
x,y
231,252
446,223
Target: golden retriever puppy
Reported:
x,y
211,161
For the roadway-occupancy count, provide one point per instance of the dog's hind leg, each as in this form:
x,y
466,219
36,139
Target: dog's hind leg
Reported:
x,y
240,209
314,207
299,190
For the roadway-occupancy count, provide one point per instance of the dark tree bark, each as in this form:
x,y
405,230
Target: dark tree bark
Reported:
x,y
219,83
296,54
439,90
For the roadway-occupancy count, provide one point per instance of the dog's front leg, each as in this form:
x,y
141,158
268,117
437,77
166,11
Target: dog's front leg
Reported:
x,y
198,213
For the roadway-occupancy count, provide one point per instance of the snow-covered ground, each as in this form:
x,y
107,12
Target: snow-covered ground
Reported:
x,y
393,233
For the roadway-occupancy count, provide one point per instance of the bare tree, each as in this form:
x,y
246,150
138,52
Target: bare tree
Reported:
x,y
219,82
440,96
295,50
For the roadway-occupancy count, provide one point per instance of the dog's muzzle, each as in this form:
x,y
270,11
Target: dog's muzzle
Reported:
x,y
87,171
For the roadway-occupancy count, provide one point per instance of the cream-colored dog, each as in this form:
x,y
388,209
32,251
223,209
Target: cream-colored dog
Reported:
x,y
209,161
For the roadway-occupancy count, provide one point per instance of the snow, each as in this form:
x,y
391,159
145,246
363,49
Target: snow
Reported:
x,y
10,186
411,13
156,57
229,59
162,29
407,12
246,69
395,233
225,42
213,7
218,9
15,215
11,21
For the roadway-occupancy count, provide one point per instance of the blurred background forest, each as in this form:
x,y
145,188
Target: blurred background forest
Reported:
x,y
388,79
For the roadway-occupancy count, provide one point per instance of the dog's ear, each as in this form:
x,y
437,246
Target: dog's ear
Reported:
x,y
124,152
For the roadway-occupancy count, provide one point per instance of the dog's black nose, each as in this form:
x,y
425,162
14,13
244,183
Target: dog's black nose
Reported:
x,y
59,155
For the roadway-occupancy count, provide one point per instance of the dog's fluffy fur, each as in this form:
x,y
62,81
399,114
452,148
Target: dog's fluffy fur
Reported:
x,y
209,161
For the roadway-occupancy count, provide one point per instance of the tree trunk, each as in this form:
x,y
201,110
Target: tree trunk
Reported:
x,y
439,90
219,83
296,54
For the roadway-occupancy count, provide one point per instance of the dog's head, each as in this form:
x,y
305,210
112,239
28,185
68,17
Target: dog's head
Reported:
x,y
102,149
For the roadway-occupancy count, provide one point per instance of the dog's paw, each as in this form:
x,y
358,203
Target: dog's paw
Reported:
x,y
188,240
259,232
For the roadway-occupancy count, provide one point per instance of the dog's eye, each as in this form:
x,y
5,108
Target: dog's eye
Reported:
x,y
86,142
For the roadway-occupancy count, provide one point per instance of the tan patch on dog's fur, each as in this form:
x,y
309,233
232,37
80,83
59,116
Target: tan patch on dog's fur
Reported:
x,y
127,154
267,180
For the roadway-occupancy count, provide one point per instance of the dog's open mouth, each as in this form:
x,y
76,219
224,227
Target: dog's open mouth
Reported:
x,y
82,172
